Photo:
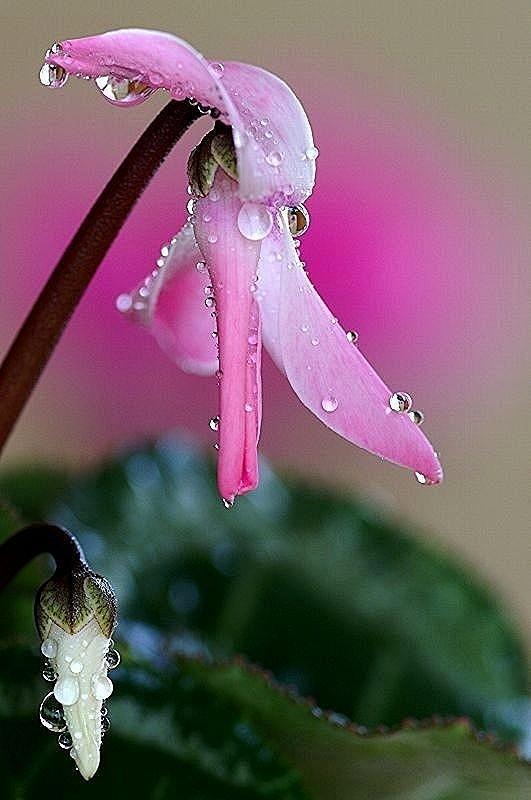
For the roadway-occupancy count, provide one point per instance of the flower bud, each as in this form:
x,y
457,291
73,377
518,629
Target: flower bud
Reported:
x,y
75,613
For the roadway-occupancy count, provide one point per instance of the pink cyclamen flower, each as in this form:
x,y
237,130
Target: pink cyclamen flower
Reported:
x,y
232,279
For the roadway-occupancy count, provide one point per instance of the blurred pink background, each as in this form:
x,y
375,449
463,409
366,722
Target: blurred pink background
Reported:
x,y
418,241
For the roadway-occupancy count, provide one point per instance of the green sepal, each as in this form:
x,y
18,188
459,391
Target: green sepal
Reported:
x,y
72,599
202,167
224,152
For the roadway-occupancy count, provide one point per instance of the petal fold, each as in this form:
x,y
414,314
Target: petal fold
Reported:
x,y
232,261
333,379
272,135
171,302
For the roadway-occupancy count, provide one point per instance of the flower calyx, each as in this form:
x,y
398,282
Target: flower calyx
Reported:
x,y
215,150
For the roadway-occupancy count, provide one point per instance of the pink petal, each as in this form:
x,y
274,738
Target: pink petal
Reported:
x,y
268,293
276,154
232,261
335,381
171,302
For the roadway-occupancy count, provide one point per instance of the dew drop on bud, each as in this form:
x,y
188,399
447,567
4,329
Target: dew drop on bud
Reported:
x,y
66,690
122,91
298,220
416,416
65,740
400,401
329,404
112,659
254,221
213,424
352,337
49,648
53,76
101,687
51,714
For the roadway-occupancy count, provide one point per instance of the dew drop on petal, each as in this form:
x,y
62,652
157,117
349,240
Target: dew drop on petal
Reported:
x,y
122,91
217,68
105,724
76,667
248,407
51,714
49,648
312,153
53,76
329,404
352,337
254,221
400,401
298,220
274,158
213,424
421,478
124,303
416,416
212,238
190,206
65,740
227,503
49,674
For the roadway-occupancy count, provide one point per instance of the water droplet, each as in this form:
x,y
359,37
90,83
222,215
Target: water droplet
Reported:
x,y
53,76
312,153
329,404
54,49
76,667
190,206
48,673
254,221
214,195
400,401
165,250
49,648
315,341
51,714
298,220
213,424
421,478
124,303
227,503
416,416
122,91
65,740
101,687
248,407
112,659
217,68
105,724
200,266
212,238
274,158
209,302
66,690
352,337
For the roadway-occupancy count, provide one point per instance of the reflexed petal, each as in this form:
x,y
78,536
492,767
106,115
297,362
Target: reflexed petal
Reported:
x,y
268,293
232,262
171,303
335,381
276,155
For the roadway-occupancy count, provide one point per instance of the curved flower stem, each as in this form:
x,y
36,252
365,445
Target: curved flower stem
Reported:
x,y
34,540
38,336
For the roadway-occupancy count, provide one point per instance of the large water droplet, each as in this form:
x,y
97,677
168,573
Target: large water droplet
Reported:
x,y
298,220
66,690
122,91
53,76
400,401
254,221
112,659
101,687
329,404
51,714
416,416
65,740
49,648
213,424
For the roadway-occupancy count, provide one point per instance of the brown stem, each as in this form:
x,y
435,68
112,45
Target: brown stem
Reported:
x,y
38,336
22,547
